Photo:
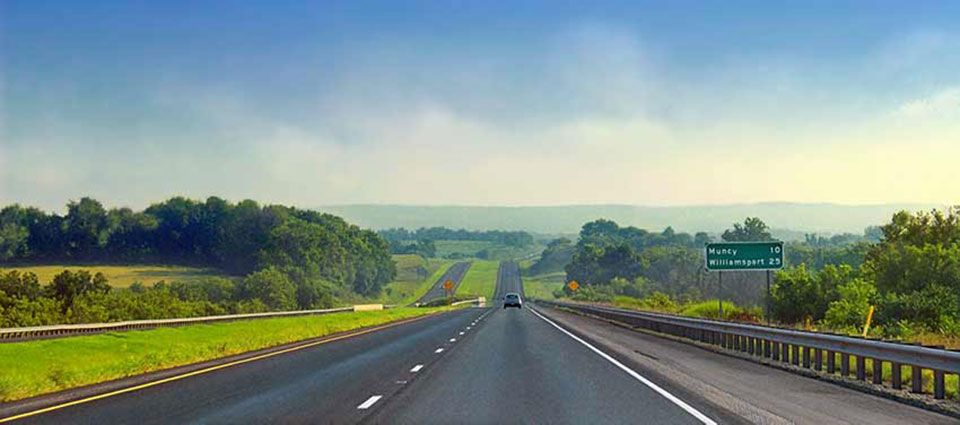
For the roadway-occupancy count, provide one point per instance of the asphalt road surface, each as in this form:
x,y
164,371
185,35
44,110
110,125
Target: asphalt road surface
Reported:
x,y
494,366
455,274
322,384
519,368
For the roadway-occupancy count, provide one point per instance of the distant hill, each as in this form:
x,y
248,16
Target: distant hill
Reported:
x,y
789,220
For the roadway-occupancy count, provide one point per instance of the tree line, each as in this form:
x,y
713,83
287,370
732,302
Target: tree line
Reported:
x,y
82,297
909,269
317,255
405,238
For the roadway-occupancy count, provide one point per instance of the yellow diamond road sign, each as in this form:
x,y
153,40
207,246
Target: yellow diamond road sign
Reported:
x,y
573,285
448,285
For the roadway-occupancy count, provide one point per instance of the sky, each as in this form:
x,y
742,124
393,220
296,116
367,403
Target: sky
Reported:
x,y
480,103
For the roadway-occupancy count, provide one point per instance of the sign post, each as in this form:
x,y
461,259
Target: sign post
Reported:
x,y
448,287
743,256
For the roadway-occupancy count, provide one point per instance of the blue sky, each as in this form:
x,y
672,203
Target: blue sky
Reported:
x,y
491,103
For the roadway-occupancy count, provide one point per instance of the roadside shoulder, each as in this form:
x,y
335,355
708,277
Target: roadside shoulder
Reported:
x,y
751,391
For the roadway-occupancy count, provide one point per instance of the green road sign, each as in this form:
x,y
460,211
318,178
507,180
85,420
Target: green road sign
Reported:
x,y
744,255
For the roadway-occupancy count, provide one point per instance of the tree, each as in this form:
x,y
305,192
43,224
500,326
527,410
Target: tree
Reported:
x,y
85,228
67,286
796,295
20,285
131,235
557,254
271,287
701,239
752,229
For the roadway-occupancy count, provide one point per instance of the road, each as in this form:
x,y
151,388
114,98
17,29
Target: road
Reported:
x,y
322,384
455,274
494,365
519,368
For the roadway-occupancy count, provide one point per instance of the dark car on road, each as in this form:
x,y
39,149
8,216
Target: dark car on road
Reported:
x,y
512,300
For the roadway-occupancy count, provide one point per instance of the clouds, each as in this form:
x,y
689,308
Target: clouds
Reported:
x,y
583,110
945,102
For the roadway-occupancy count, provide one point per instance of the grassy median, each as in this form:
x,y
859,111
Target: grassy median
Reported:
x,y
480,279
38,367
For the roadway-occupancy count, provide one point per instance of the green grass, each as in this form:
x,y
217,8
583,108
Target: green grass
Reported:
x,y
122,276
465,248
480,279
542,286
409,285
38,367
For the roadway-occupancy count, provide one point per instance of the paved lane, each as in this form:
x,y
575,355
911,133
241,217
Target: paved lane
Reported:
x,y
322,384
455,273
518,368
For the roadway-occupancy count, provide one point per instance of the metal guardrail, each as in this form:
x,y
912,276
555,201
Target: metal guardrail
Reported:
x,y
55,331
809,349
479,301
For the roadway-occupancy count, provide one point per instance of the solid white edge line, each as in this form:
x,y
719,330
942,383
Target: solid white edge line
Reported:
x,y
439,350
683,405
370,401
416,368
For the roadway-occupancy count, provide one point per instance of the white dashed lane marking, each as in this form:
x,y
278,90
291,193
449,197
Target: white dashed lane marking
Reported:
x,y
416,368
439,350
370,401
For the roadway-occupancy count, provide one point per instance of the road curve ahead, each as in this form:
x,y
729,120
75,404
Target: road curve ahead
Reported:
x,y
519,368
454,274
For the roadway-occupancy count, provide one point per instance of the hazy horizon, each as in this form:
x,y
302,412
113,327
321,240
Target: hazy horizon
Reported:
x,y
521,103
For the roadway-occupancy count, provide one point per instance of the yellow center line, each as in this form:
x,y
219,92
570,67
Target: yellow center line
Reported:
x,y
207,370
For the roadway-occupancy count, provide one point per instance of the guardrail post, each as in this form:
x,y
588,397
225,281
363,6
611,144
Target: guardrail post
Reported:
x,y
938,385
831,362
752,346
736,342
861,368
895,371
916,376
796,355
878,371
766,348
844,364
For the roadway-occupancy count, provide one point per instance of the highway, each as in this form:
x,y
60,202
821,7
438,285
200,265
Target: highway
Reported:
x,y
494,365
519,368
454,274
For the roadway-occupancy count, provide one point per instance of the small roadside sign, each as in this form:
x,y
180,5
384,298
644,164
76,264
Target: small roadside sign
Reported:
x,y
448,285
573,285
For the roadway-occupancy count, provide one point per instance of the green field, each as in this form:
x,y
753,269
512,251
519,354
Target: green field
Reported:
x,y
122,276
493,251
542,286
37,367
415,275
480,280
446,248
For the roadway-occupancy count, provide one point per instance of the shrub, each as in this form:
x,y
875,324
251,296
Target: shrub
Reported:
x,y
851,309
271,287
